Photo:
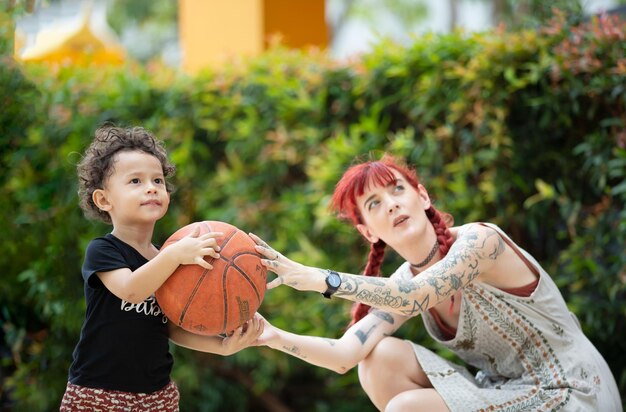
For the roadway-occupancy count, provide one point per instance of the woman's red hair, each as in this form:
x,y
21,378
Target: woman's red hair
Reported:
x,y
353,184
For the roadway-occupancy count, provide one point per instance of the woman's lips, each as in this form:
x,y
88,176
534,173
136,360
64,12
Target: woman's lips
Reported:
x,y
399,220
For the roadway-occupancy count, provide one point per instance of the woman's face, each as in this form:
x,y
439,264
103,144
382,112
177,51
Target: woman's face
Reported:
x,y
394,213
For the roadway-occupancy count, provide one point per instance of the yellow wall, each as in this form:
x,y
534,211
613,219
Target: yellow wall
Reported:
x,y
213,31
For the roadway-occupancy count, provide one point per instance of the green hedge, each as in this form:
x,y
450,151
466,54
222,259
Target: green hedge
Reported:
x,y
523,129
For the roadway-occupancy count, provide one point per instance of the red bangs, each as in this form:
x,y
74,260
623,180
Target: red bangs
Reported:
x,y
358,178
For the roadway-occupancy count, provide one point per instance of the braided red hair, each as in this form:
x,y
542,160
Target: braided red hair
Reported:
x,y
374,261
353,184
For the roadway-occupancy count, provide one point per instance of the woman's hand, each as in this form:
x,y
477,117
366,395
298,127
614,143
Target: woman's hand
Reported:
x,y
244,336
290,273
269,336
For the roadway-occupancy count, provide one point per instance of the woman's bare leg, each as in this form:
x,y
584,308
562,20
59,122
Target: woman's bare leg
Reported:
x,y
426,399
392,377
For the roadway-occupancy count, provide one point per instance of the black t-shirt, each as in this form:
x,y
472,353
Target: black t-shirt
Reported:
x,y
122,346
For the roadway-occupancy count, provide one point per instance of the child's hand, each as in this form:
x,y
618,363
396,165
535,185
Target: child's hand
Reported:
x,y
192,248
245,335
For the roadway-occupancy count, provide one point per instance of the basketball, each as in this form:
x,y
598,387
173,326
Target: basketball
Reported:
x,y
216,301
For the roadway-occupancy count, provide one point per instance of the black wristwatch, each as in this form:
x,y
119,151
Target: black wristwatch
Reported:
x,y
333,281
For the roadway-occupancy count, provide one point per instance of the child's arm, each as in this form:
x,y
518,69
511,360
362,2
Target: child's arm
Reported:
x,y
339,355
135,287
241,338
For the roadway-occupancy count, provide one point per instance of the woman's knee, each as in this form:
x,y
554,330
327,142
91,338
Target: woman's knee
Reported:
x,y
378,357
387,351
388,357
425,399
392,362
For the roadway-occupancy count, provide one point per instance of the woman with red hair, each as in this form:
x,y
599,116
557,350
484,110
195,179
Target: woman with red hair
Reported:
x,y
479,294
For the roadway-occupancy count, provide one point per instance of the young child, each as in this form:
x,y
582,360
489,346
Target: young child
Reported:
x,y
122,360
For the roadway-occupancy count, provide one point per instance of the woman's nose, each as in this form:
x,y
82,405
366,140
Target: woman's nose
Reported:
x,y
392,207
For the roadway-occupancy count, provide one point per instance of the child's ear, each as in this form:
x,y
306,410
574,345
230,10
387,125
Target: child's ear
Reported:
x,y
100,199
366,233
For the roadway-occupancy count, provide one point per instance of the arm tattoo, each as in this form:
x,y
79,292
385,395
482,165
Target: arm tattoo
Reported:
x,y
295,351
418,307
350,284
383,315
459,267
374,281
381,297
499,247
364,335
463,263
331,342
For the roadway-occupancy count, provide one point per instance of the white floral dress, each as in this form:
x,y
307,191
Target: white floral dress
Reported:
x,y
530,352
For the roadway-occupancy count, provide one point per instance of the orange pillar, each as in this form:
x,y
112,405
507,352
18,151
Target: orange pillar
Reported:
x,y
299,23
213,31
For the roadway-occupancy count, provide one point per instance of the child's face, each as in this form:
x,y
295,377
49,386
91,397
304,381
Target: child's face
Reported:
x,y
135,193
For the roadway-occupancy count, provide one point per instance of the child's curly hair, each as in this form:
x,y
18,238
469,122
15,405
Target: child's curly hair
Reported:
x,y
98,162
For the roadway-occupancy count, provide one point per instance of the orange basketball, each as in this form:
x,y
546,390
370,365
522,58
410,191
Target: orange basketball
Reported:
x,y
210,302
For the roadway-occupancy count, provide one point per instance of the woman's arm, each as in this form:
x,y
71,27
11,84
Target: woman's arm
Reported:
x,y
339,355
241,338
473,253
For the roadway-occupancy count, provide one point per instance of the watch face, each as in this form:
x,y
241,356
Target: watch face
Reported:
x,y
334,280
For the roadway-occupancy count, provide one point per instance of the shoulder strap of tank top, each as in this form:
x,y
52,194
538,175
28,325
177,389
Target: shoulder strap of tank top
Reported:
x,y
515,249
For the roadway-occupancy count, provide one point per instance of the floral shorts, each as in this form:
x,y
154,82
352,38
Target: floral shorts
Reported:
x,y
81,398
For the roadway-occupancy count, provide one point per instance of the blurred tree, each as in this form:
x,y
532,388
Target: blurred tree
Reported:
x,y
408,14
9,9
148,29
519,14
454,14
263,145
405,14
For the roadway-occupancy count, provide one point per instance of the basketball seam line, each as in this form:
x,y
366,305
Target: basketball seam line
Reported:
x,y
195,289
